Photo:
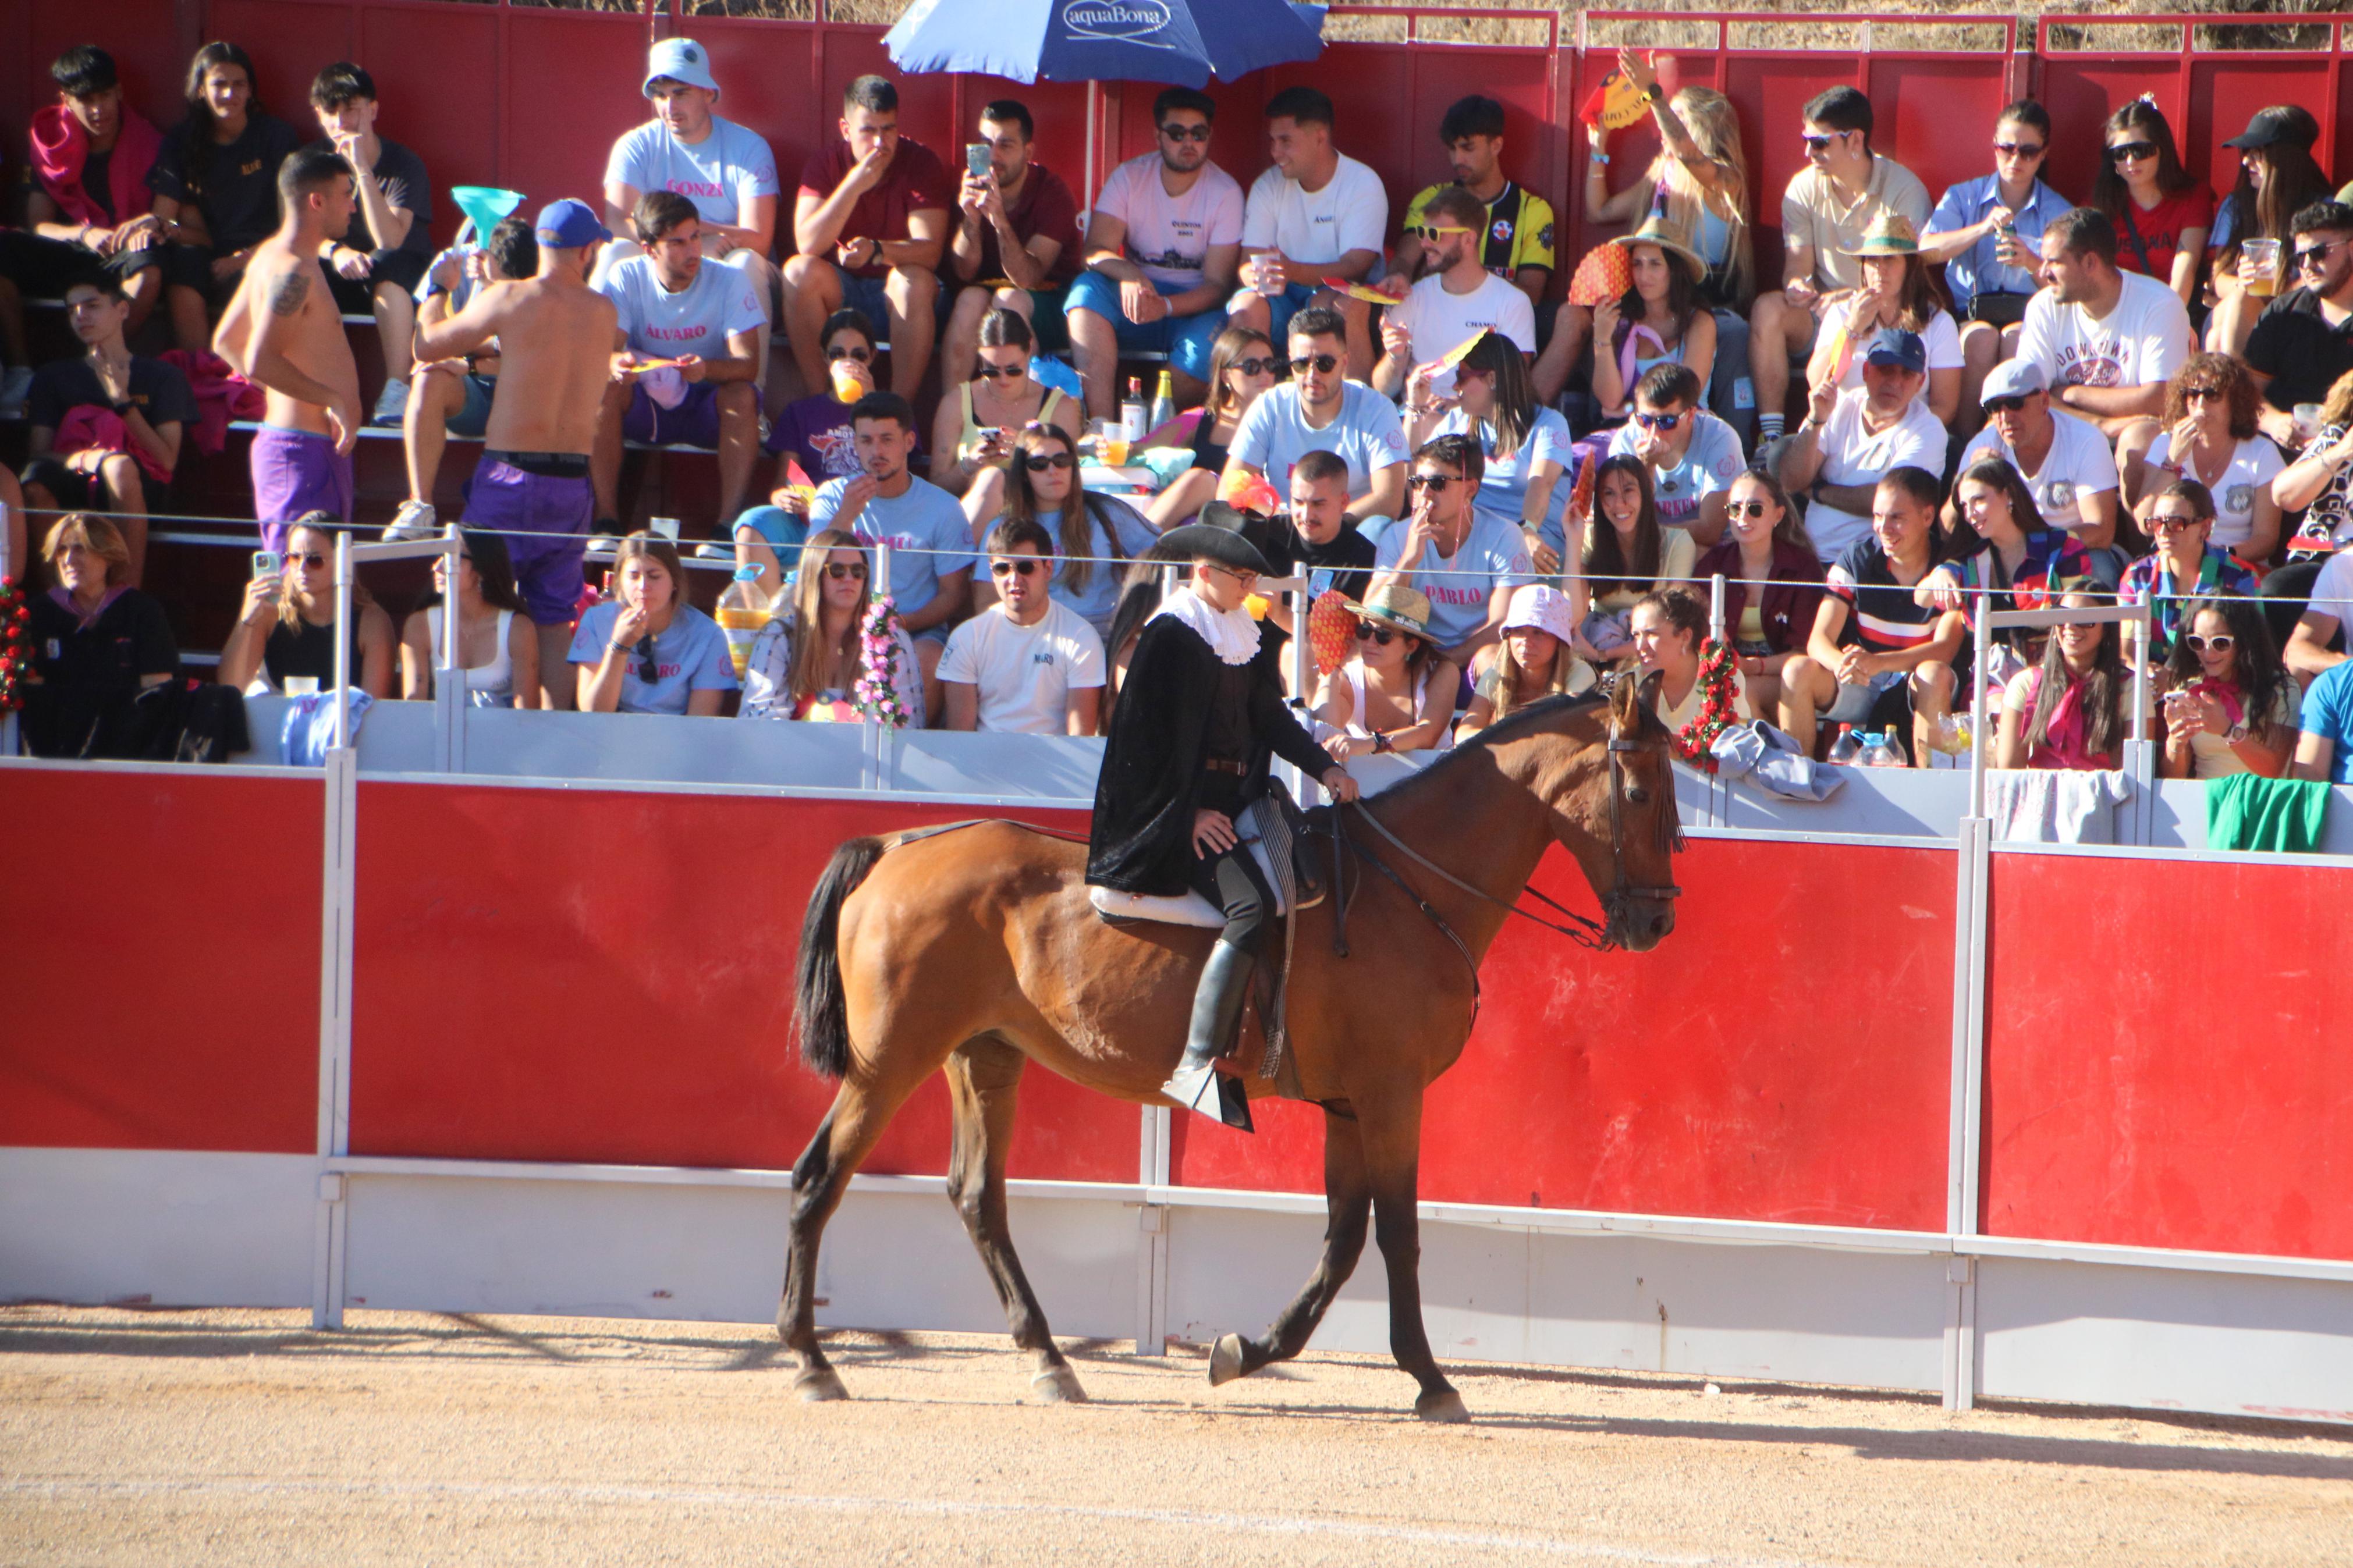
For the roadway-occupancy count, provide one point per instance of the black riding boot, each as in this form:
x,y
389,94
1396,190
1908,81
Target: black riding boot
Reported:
x,y
1196,1084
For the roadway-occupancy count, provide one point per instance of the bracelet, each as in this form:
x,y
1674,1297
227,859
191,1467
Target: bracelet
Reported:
x,y
617,647
1652,94
1597,160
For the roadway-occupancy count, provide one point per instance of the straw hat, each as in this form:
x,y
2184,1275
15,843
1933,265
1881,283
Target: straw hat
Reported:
x,y
1398,607
1656,230
1890,234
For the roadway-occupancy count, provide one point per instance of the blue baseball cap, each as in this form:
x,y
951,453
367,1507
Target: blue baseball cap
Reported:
x,y
1895,346
680,59
569,225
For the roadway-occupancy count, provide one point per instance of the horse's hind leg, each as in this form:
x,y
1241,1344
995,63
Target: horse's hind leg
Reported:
x,y
1347,1205
984,1082
843,1140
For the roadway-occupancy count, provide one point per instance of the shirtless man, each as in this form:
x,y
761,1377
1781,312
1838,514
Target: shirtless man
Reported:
x,y
556,336
283,332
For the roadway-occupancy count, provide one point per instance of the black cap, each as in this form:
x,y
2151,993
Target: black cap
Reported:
x,y
1206,540
2281,122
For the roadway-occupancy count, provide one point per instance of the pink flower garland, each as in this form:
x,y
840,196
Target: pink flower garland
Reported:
x,y
878,689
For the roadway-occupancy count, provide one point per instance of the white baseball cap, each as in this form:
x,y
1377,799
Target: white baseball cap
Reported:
x,y
680,59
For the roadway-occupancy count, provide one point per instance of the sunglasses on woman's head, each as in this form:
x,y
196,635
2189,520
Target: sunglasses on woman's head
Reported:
x,y
1267,366
2131,152
2196,644
863,356
1022,567
988,372
1038,462
1380,636
838,570
1658,421
1747,507
1322,365
1185,133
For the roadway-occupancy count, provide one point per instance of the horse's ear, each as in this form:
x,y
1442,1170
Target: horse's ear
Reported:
x,y
1625,704
1646,694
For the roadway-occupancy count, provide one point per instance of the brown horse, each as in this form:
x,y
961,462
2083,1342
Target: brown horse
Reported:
x,y
977,951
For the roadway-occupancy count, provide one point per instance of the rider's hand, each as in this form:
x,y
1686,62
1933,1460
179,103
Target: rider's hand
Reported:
x,y
1342,786
1213,832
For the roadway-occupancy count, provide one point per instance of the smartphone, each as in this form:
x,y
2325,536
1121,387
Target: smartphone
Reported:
x,y
976,159
267,563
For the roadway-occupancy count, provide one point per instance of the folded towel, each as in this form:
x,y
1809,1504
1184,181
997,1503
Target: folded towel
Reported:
x,y
2247,811
1772,761
2049,805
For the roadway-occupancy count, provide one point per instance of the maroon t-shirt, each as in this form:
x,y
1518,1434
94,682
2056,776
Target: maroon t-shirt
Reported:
x,y
1046,207
914,181
2160,229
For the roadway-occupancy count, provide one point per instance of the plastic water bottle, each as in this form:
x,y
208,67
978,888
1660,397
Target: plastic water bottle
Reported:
x,y
742,611
1131,411
1846,748
1879,751
1164,404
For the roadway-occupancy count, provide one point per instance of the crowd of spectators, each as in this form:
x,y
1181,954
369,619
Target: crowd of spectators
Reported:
x,y
2003,398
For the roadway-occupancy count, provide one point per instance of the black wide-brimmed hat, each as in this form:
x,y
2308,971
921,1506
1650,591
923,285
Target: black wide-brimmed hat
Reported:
x,y
1208,541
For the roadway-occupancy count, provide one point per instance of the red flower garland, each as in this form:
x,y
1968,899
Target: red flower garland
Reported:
x,y
16,644
1717,711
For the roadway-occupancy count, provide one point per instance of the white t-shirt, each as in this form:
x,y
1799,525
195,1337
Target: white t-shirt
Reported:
x,y
2332,590
1941,338
2142,341
1366,434
1168,237
719,175
2078,463
696,319
1440,321
1853,456
1495,553
1710,464
1025,674
1350,213
2253,465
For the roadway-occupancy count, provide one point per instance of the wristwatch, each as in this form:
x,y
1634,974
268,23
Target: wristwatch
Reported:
x,y
1381,741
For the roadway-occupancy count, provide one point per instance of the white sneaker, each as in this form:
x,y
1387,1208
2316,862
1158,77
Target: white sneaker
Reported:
x,y
391,404
714,550
15,385
604,546
415,520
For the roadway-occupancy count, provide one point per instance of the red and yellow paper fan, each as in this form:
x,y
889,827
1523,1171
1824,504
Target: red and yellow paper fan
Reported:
x,y
1249,493
1330,631
1604,274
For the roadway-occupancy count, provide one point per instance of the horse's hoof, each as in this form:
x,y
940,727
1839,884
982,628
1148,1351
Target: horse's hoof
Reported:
x,y
1226,1359
1445,1407
820,1384
1058,1385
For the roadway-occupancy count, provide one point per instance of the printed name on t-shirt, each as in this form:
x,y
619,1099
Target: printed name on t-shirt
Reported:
x,y
1441,594
676,334
2091,364
698,187
1043,656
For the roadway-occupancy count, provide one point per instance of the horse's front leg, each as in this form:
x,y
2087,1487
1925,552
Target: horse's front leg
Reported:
x,y
1390,1126
1347,1206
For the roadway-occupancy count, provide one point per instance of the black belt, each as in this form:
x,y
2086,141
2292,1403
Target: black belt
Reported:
x,y
546,465
1226,766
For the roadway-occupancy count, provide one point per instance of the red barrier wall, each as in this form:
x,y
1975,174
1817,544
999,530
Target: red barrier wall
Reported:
x,y
2166,1054
161,976
606,977
1709,1078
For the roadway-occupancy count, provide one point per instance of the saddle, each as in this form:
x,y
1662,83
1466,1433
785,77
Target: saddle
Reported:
x,y
1272,820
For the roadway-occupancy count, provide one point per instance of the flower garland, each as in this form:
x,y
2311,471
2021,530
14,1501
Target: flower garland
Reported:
x,y
1717,711
878,689
15,646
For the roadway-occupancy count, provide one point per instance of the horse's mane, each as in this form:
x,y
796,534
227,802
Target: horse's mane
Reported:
x,y
1540,714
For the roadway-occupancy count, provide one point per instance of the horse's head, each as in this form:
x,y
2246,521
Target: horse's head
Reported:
x,y
1613,803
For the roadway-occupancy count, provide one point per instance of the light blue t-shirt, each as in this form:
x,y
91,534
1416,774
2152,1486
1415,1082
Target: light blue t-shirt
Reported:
x,y
1366,434
1494,555
1974,271
1504,483
696,319
924,527
689,656
719,175
1710,464
1099,600
2328,712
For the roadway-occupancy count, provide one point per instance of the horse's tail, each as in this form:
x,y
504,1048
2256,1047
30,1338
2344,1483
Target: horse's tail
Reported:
x,y
820,1013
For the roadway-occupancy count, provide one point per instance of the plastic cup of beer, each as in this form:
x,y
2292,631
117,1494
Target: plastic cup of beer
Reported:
x,y
849,381
2263,259
1269,278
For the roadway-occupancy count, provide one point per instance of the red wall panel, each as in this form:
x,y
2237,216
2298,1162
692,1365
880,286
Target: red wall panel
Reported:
x,y
2166,1062
163,993
582,975
1706,1078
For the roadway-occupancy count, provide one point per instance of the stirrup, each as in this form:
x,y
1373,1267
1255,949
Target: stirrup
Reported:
x,y
1201,1088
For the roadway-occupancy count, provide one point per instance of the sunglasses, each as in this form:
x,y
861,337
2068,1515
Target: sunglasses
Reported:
x,y
986,372
1434,483
2019,149
2130,151
2196,644
312,560
2002,404
651,671
838,570
1022,567
1322,365
1185,133
1816,143
863,356
1658,421
1267,366
1380,637
2314,256
2174,519
1747,507
2201,393
1038,462
1435,231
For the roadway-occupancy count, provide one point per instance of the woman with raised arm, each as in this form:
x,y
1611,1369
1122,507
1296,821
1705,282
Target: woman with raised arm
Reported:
x,y
1526,445
2231,707
646,649
2210,435
289,622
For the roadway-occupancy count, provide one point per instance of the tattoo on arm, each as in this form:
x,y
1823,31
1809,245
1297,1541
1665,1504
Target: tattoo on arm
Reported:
x,y
286,300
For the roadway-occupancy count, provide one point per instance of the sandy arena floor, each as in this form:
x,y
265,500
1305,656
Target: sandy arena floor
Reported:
x,y
243,1437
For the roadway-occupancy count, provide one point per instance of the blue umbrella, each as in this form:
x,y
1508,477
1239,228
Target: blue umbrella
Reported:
x,y
1179,41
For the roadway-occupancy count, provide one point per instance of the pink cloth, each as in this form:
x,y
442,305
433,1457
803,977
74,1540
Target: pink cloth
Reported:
x,y
89,427
2063,740
61,147
222,395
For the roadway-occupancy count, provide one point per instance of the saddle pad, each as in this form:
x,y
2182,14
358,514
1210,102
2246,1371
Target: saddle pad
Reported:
x,y
1186,908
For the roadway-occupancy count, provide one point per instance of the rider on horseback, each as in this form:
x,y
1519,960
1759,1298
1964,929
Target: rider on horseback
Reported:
x,y
1198,717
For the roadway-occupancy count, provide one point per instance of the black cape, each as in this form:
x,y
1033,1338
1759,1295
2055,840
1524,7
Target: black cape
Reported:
x,y
1142,840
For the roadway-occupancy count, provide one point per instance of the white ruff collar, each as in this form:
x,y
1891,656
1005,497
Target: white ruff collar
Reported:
x,y
1231,634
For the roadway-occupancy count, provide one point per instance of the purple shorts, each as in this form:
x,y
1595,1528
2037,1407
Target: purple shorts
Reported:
x,y
295,471
694,422
543,518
